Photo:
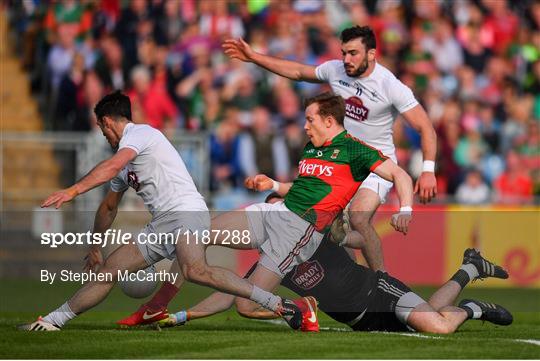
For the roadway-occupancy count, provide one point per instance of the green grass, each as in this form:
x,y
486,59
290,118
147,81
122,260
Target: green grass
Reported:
x,y
94,334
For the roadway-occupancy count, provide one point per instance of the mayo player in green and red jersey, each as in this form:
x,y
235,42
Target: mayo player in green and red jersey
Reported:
x,y
332,167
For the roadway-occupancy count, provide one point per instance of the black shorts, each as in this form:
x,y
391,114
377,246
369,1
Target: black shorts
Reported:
x,y
380,314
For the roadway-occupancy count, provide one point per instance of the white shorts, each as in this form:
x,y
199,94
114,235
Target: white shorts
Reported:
x,y
173,226
378,185
284,239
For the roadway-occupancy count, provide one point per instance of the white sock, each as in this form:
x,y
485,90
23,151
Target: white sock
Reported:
x,y
477,311
471,270
264,298
60,316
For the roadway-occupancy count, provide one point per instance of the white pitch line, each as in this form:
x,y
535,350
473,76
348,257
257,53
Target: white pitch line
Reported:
x,y
283,323
532,342
412,334
274,321
335,329
421,336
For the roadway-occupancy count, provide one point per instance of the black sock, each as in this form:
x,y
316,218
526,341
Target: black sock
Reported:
x,y
474,311
461,277
469,311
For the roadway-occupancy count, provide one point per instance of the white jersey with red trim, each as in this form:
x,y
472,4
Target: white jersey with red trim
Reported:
x,y
372,103
158,173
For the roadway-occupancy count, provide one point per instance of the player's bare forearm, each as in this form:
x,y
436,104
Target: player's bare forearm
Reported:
x,y
262,182
239,49
217,302
426,185
258,314
404,187
283,188
400,221
103,220
107,211
429,142
286,68
402,181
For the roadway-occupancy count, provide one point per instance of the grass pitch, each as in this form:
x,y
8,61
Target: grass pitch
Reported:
x,y
95,335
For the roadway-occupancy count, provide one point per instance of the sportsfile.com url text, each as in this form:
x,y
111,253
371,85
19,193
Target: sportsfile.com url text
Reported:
x,y
118,237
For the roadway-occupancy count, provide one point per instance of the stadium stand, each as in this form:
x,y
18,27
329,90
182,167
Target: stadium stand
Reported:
x,y
474,65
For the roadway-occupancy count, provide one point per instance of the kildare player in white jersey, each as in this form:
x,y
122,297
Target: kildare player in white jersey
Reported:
x,y
373,97
146,161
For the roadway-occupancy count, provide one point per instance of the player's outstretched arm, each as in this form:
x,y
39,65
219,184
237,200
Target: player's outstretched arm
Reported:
x,y
262,182
215,303
254,311
403,182
103,220
426,185
239,49
101,173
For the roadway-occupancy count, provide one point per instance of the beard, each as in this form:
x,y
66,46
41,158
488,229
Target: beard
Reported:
x,y
358,72
114,145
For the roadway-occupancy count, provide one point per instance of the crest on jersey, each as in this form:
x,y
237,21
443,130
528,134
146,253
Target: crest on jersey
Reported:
x,y
308,274
355,109
133,181
335,154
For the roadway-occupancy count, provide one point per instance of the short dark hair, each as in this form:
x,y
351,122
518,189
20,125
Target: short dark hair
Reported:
x,y
271,196
329,105
114,105
363,32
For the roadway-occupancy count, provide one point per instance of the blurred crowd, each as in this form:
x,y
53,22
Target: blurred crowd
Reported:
x,y
474,65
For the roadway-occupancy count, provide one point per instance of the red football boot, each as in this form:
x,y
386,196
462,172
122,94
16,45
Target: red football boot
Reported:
x,y
309,308
143,316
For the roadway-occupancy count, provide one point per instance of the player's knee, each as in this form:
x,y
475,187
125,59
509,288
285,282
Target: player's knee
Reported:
x,y
360,219
197,272
442,328
109,272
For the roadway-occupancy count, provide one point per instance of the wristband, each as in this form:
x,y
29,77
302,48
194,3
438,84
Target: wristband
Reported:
x,y
428,166
275,186
406,209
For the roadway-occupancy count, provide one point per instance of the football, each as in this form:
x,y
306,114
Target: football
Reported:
x,y
139,284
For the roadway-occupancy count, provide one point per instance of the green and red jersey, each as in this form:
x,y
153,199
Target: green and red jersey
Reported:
x,y
328,178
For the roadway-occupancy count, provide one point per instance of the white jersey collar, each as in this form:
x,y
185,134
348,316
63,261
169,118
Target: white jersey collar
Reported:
x,y
128,125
